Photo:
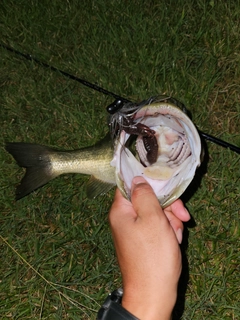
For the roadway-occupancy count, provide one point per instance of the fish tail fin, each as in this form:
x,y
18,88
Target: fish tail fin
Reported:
x,y
36,159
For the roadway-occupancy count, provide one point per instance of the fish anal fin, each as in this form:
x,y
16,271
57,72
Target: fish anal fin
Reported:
x,y
96,187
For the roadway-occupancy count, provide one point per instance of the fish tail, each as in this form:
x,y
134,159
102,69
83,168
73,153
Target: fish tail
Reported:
x,y
36,159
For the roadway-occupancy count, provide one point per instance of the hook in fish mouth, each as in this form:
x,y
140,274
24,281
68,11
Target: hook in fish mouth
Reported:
x,y
123,113
166,151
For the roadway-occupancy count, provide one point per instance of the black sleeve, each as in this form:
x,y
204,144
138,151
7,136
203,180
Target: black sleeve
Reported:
x,y
112,309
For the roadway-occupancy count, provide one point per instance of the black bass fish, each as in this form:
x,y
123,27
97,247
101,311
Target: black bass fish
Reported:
x,y
155,139
44,164
166,152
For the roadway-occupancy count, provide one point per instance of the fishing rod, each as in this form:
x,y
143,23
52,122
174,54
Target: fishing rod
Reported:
x,y
66,74
118,99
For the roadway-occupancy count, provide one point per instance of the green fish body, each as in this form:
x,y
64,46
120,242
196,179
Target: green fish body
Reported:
x,y
44,164
165,150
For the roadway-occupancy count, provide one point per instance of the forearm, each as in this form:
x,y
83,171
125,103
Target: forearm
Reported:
x,y
151,295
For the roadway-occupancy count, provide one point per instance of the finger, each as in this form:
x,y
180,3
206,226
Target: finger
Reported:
x,y
143,198
178,209
119,199
120,209
176,225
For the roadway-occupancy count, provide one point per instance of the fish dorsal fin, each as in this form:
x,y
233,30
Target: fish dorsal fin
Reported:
x,y
96,187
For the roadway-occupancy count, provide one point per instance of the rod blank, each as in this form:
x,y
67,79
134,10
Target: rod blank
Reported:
x,y
109,93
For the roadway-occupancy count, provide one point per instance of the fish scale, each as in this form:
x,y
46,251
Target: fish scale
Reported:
x,y
159,118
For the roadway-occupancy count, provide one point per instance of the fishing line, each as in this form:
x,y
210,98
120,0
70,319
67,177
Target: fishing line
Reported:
x,y
113,107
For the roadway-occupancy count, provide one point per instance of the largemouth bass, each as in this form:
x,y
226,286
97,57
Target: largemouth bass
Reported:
x,y
44,164
167,150
155,139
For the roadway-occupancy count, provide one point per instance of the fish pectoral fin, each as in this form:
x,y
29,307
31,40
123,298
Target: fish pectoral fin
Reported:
x,y
96,187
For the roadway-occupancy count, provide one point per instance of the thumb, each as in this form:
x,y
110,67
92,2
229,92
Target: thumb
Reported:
x,y
143,198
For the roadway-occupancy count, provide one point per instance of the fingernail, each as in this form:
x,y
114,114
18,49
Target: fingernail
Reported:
x,y
187,212
179,235
138,180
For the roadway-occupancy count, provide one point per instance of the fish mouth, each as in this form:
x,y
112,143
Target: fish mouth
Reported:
x,y
167,159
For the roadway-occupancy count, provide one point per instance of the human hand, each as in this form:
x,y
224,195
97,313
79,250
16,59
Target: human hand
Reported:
x,y
146,242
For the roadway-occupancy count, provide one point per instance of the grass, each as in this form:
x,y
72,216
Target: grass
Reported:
x,y
57,257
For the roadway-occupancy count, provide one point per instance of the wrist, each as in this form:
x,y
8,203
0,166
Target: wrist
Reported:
x,y
112,308
154,305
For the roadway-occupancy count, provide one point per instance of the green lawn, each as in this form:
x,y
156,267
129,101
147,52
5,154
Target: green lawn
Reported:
x,y
57,257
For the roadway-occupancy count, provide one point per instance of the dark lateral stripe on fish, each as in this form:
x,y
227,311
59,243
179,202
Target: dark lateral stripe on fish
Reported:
x,y
35,158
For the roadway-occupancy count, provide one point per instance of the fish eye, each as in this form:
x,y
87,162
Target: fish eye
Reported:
x,y
115,106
